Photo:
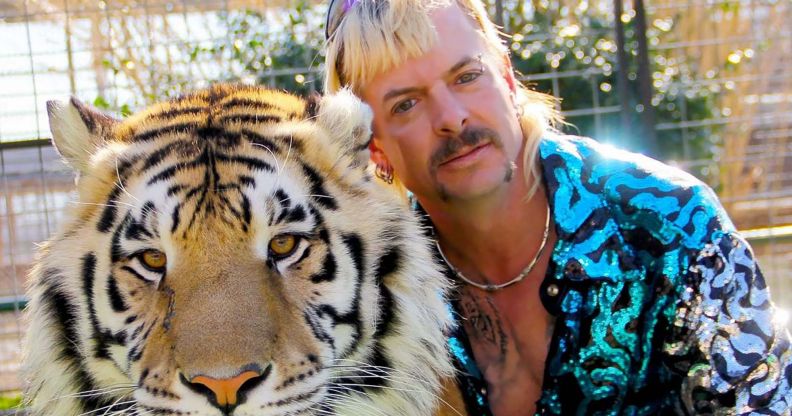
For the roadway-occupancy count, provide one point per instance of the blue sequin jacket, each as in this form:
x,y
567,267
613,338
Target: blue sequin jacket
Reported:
x,y
662,308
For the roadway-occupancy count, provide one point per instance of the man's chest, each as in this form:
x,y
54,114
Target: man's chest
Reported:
x,y
509,333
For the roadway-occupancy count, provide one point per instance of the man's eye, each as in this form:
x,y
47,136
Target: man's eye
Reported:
x,y
404,106
468,77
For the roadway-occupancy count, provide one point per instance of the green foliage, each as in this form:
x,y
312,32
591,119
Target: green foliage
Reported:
x,y
579,44
102,104
10,402
281,49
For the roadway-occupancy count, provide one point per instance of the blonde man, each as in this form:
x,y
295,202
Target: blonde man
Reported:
x,y
589,279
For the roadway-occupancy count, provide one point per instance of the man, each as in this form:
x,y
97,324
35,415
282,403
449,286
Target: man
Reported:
x,y
589,279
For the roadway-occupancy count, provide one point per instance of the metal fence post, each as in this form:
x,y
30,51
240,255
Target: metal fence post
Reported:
x,y
648,142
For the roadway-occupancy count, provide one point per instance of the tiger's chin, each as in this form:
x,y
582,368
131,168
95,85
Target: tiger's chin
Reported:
x,y
230,254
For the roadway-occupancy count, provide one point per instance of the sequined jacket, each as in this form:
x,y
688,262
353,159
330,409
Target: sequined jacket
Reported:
x,y
660,306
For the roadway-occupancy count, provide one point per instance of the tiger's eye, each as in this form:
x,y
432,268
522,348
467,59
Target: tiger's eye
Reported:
x,y
154,259
283,245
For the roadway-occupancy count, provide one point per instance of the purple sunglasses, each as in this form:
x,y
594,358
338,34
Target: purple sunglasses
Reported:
x,y
335,13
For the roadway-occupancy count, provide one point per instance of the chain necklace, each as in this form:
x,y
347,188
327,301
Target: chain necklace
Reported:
x,y
489,287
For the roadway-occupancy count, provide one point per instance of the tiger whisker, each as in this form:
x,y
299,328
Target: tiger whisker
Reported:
x,y
309,410
121,412
288,153
92,393
114,204
275,158
320,196
409,383
137,411
109,407
358,400
111,389
359,365
400,389
392,378
120,184
141,412
376,377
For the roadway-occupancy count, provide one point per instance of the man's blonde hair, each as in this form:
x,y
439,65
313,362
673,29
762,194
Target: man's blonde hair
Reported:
x,y
374,36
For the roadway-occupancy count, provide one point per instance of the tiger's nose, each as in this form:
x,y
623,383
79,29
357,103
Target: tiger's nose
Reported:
x,y
227,393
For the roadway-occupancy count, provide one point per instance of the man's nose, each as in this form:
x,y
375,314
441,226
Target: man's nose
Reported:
x,y
449,113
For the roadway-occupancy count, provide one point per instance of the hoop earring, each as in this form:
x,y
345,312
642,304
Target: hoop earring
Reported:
x,y
385,173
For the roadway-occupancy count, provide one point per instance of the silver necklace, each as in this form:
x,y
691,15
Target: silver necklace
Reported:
x,y
494,287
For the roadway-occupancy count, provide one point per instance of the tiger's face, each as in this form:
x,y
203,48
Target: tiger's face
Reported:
x,y
230,255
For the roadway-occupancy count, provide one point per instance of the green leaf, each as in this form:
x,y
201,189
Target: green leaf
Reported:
x,y
100,103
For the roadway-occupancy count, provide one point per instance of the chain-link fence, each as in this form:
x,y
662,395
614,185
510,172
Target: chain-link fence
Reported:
x,y
719,100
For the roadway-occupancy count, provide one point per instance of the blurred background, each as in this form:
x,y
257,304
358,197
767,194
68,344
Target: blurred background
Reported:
x,y
702,84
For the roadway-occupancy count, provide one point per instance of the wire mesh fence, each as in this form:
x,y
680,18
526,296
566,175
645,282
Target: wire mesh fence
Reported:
x,y
721,97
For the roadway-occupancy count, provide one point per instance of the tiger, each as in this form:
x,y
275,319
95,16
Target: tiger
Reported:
x,y
230,253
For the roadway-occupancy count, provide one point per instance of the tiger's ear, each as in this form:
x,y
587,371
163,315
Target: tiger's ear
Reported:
x,y
348,121
78,131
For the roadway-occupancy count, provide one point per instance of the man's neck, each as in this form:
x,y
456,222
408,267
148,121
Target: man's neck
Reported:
x,y
491,238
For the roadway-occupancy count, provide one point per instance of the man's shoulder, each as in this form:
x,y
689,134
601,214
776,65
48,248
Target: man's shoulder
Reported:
x,y
638,190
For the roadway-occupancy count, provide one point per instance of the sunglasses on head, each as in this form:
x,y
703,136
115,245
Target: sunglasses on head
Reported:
x,y
335,14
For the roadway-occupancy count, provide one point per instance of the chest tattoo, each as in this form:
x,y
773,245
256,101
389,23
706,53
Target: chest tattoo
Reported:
x,y
483,322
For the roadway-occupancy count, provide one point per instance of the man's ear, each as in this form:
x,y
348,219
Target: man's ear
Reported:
x,y
348,121
78,131
377,154
508,73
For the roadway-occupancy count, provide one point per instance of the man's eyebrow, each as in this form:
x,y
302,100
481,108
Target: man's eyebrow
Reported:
x,y
400,91
457,66
463,63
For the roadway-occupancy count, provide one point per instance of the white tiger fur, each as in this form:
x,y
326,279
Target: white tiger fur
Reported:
x,y
101,356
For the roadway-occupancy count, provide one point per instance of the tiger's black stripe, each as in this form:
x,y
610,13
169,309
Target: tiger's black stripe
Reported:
x,y
218,136
354,244
249,161
328,270
109,212
318,191
245,180
136,230
266,141
318,331
250,118
116,299
175,112
251,104
352,318
387,264
168,173
66,315
282,198
116,251
183,128
291,215
380,368
175,189
329,267
103,338
159,155
175,218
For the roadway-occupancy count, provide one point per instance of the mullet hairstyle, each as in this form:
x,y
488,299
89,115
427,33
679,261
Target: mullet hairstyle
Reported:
x,y
374,36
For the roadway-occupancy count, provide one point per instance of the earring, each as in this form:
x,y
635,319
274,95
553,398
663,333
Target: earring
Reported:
x,y
385,173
